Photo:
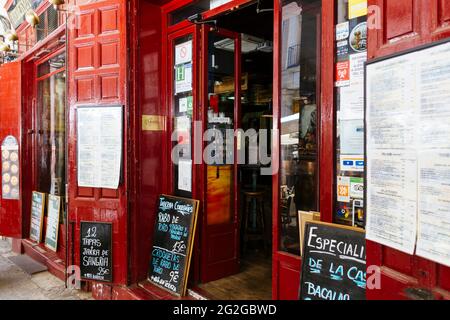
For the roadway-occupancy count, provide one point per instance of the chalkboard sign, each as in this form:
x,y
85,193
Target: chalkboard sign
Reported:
x,y
95,251
37,215
53,212
334,263
172,243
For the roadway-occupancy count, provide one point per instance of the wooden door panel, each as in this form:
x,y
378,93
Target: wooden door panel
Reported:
x,y
406,24
97,74
440,19
401,26
400,19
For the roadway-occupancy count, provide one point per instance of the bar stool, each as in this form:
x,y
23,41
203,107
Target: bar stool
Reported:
x,y
253,219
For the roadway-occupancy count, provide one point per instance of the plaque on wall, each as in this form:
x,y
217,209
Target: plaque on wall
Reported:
x,y
10,169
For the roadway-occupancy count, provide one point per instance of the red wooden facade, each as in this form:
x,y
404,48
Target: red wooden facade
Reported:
x,y
119,52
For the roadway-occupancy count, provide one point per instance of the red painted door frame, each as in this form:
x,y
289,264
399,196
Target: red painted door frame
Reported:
x,y
169,74
285,266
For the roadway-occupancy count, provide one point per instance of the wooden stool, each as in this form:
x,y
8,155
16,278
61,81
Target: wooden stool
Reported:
x,y
254,203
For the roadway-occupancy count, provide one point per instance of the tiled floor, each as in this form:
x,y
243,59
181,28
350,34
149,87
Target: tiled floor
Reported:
x,y
15,284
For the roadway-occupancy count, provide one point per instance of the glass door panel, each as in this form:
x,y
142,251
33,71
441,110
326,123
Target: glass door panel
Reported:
x,y
300,68
51,127
183,76
221,99
220,118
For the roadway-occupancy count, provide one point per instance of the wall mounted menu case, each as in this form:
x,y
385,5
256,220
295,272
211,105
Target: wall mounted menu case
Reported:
x,y
408,152
10,169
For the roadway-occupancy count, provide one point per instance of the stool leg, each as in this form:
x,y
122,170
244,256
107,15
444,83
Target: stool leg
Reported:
x,y
246,217
263,225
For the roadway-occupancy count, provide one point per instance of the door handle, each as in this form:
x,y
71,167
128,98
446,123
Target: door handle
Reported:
x,y
419,294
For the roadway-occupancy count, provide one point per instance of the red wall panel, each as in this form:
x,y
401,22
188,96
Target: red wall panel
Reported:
x,y
150,148
10,118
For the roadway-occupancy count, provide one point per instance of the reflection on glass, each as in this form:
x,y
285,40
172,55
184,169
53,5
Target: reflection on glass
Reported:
x,y
300,61
221,101
51,138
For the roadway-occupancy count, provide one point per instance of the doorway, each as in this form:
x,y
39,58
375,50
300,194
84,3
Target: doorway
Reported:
x,y
49,143
237,79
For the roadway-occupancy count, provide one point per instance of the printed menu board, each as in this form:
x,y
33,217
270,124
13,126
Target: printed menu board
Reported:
x,y
96,251
37,215
172,243
334,263
408,152
53,213
99,132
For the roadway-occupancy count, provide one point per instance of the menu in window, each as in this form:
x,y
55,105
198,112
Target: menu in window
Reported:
x,y
99,146
408,152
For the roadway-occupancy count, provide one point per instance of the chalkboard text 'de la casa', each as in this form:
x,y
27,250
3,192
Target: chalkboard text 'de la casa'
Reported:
x,y
343,248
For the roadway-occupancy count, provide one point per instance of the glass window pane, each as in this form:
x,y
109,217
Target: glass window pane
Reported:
x,y
351,50
300,67
183,114
51,172
221,102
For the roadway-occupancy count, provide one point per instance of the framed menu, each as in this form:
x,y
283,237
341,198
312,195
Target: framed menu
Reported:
x,y
100,139
408,151
53,214
37,215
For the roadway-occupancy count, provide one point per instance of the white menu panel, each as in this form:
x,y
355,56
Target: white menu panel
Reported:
x,y
408,152
99,146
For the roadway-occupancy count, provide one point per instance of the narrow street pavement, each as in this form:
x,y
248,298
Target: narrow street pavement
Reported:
x,y
15,284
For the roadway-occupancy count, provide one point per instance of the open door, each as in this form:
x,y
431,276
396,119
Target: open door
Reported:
x,y
220,105
10,117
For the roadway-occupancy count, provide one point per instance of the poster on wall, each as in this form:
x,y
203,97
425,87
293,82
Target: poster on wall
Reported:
x,y
357,8
408,152
99,138
10,169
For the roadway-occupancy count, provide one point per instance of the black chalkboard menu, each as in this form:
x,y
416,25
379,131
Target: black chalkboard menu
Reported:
x,y
334,263
95,251
172,243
